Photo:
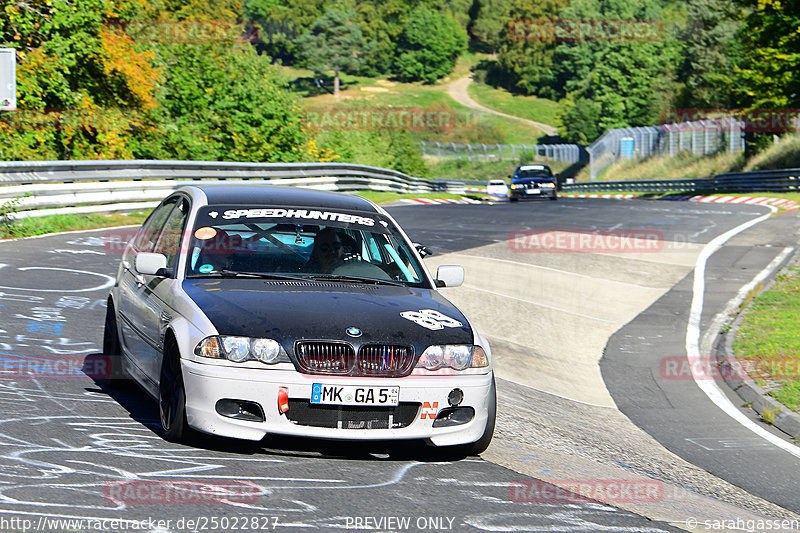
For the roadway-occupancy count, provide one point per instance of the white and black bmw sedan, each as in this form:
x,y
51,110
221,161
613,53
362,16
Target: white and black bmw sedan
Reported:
x,y
248,311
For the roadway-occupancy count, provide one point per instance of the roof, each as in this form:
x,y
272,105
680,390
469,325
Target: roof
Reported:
x,y
236,194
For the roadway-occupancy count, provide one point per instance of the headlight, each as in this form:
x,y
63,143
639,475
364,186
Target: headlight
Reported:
x,y
513,186
266,350
547,185
237,349
455,356
240,349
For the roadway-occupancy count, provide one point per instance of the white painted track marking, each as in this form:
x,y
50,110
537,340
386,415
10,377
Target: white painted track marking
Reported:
x,y
709,386
108,283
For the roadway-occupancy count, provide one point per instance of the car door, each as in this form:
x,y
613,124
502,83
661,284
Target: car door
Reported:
x,y
132,301
156,311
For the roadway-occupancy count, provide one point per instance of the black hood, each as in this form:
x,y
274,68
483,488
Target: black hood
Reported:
x,y
289,311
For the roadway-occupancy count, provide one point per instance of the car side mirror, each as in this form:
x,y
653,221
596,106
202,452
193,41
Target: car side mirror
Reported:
x,y
423,251
449,276
151,264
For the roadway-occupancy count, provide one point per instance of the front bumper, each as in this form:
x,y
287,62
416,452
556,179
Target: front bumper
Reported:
x,y
206,384
543,193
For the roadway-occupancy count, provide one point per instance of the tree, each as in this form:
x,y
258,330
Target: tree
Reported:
x,y
579,122
276,24
334,42
223,103
382,24
491,22
82,84
710,53
629,77
769,74
525,54
429,46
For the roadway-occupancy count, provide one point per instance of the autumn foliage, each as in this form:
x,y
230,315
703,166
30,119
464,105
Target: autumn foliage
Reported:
x,y
122,79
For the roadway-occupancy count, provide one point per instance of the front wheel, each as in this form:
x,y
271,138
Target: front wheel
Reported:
x,y
554,197
172,395
513,199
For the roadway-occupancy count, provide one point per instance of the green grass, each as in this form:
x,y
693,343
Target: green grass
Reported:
x,y
374,93
785,154
530,107
686,165
461,169
768,337
468,126
28,227
683,166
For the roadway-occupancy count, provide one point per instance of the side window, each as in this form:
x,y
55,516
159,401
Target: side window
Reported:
x,y
146,240
170,240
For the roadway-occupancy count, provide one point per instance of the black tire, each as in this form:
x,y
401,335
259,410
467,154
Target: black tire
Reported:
x,y
113,374
512,199
554,197
172,395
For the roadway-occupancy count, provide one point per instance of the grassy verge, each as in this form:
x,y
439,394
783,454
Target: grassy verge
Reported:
x,y
530,107
767,342
28,227
785,154
462,169
683,166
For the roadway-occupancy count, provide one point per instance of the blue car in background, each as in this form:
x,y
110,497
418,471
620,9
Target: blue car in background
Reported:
x,y
532,181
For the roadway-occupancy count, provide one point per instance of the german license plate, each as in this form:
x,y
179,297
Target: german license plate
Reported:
x,y
533,191
323,394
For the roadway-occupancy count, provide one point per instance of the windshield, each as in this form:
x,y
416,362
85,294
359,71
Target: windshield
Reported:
x,y
534,172
278,242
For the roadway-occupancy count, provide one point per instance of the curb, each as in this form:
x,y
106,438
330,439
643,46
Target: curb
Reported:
x,y
785,420
438,201
752,200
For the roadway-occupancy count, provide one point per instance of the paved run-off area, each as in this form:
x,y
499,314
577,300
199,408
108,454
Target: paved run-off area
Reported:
x,y
550,313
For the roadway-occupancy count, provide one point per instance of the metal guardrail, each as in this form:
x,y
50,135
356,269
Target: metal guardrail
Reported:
x,y
784,180
570,153
34,185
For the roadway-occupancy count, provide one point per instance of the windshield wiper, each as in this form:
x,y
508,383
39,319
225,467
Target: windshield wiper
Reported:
x,y
358,279
224,273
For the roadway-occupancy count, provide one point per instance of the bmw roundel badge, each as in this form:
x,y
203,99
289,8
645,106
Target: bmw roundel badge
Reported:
x,y
353,332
